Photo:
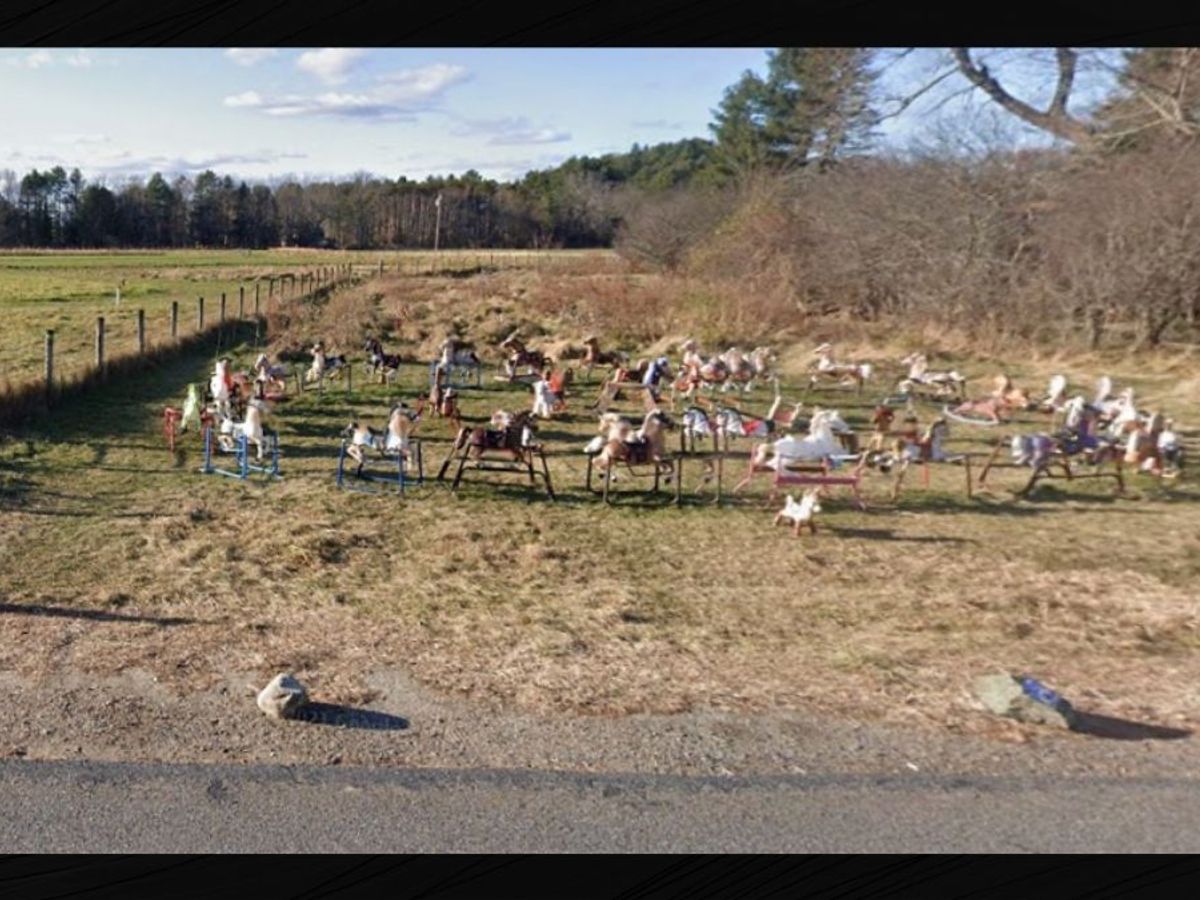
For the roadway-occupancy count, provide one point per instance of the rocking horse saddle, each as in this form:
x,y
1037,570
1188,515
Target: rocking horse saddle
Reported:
x,y
637,452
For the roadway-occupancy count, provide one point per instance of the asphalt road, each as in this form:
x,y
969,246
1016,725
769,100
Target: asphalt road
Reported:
x,y
120,807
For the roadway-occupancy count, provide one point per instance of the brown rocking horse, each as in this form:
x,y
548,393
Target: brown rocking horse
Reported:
x,y
512,440
520,355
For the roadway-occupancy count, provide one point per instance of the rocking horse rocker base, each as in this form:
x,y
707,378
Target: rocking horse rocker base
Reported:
x,y
667,467
361,480
1044,471
823,477
520,459
241,453
457,375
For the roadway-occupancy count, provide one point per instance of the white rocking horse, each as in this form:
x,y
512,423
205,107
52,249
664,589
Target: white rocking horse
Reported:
x,y
828,369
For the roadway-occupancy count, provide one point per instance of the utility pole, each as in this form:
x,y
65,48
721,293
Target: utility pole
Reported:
x,y
437,226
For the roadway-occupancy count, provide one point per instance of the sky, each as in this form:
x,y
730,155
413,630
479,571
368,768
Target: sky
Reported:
x,y
334,112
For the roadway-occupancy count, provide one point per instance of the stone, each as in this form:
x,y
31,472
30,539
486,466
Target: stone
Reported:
x,y
1004,696
282,697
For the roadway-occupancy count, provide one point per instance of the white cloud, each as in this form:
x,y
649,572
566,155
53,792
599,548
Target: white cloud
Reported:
x,y
423,81
78,59
250,56
510,131
34,60
330,64
123,162
395,96
246,98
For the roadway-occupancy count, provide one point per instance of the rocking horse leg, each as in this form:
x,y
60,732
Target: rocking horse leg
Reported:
x,y
720,476
546,474
1033,479
862,504
987,467
899,480
462,464
607,479
446,464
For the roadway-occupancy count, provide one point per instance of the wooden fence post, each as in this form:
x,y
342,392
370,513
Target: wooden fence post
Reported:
x,y
222,319
141,331
271,289
256,286
49,363
241,301
174,319
100,343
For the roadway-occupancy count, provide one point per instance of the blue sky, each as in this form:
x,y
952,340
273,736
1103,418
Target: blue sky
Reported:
x,y
326,112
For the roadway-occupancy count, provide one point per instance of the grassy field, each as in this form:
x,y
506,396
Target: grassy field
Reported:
x,y
500,595
66,291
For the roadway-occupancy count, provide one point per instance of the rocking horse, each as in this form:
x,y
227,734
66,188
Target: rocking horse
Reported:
x,y
821,443
938,385
454,358
385,365
994,409
827,369
511,438
644,447
652,373
396,441
519,355
1079,440
594,357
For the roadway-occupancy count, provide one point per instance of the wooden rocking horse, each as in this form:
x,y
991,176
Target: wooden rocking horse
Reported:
x,y
512,440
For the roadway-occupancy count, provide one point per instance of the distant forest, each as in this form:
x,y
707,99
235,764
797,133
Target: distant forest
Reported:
x,y
553,208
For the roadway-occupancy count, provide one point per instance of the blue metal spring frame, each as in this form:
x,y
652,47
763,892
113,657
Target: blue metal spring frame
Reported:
x,y
458,376
400,479
242,458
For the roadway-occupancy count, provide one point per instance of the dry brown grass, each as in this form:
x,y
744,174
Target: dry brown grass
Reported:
x,y
574,607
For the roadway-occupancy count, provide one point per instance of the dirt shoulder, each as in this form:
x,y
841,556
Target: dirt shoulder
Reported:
x,y
133,717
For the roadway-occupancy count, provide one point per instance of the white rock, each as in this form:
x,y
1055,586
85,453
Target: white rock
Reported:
x,y
282,697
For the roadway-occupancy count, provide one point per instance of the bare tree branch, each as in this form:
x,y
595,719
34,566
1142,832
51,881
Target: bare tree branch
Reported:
x,y
1066,77
1054,120
906,101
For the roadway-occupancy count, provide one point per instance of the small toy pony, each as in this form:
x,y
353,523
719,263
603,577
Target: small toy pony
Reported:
x,y
802,514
